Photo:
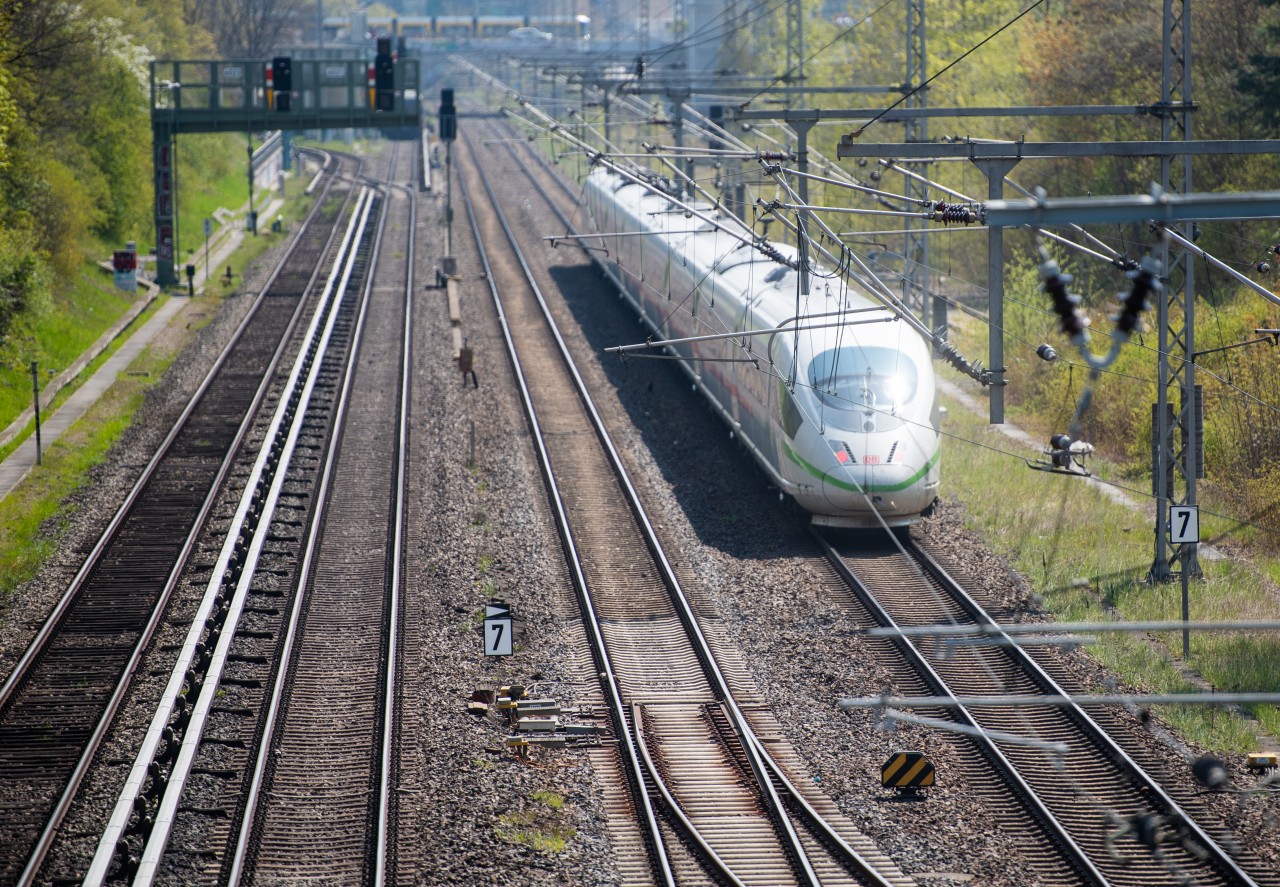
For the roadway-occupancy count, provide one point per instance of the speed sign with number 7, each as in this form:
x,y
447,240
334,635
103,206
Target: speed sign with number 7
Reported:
x,y
1184,524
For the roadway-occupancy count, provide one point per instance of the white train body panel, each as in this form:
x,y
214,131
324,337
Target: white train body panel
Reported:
x,y
842,415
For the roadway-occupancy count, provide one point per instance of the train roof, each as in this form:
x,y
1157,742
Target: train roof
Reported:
x,y
769,285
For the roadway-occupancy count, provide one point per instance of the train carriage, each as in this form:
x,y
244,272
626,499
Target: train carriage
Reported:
x,y
839,407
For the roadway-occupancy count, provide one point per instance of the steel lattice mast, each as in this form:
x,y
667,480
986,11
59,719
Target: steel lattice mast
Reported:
x,y
795,53
916,251
1176,462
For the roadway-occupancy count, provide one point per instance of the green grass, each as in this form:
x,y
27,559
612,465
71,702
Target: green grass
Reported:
x,y
214,173
539,828
1088,558
34,516
92,367
551,799
56,336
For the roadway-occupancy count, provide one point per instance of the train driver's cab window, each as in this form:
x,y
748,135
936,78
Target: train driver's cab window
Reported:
x,y
862,387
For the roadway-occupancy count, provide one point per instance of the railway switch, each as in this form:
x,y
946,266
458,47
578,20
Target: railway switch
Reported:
x,y
537,725
907,771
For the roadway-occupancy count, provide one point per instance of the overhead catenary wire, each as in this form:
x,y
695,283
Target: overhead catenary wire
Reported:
x,y
758,131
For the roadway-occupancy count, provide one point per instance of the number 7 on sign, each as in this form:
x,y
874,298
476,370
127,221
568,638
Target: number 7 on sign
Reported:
x,y
497,637
1184,524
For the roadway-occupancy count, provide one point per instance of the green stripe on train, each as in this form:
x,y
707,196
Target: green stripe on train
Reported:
x,y
853,488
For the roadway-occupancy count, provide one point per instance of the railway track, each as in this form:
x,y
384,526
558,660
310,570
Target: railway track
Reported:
x,y
197,781
1083,818
711,803
319,805
57,704
1088,802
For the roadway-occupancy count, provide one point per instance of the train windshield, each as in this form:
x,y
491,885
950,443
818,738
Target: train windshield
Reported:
x,y
863,387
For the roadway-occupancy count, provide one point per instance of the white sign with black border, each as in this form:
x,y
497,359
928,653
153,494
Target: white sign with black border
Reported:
x,y
497,630
1184,524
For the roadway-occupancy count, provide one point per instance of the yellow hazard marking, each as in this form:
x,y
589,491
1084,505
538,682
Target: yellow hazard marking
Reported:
x,y
907,770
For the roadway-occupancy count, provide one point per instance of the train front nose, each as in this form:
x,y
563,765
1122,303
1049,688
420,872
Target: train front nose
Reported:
x,y
890,484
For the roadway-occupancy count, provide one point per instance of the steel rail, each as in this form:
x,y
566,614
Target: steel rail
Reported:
x,y
816,822
1091,727
607,673
1076,855
53,622
668,797
315,534
750,745
285,425
397,554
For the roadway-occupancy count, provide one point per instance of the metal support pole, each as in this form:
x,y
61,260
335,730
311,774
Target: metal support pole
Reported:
x,y
608,118
995,171
678,97
802,126
162,151
1176,367
915,253
35,387
795,53
448,197
253,222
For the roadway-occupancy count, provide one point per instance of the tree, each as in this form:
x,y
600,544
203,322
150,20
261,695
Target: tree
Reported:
x,y
1259,81
254,28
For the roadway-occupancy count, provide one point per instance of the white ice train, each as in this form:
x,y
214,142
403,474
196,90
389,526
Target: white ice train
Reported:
x,y
840,408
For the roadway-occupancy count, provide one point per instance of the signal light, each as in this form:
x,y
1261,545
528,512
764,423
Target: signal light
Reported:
x,y
280,79
384,77
448,116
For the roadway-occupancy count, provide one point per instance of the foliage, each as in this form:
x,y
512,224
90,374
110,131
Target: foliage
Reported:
x,y
23,273
250,28
74,118
1259,81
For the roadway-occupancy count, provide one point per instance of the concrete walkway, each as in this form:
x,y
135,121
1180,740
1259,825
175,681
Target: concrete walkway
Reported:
x,y
18,464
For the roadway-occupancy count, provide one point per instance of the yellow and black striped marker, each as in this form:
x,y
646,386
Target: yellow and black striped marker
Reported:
x,y
906,771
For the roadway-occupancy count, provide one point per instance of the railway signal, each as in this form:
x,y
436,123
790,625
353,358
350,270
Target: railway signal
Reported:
x,y
448,116
280,82
384,77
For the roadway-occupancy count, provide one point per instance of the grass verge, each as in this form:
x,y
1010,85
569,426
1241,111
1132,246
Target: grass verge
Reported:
x,y
1088,557
34,517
